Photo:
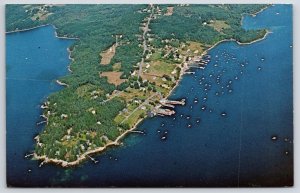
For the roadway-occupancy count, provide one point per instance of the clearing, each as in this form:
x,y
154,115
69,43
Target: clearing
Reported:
x,y
159,68
192,49
169,11
219,25
107,55
113,77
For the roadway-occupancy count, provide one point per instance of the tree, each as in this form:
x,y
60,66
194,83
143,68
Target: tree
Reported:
x,y
136,85
125,126
142,115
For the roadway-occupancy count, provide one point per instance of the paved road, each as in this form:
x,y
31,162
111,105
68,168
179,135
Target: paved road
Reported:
x,y
146,29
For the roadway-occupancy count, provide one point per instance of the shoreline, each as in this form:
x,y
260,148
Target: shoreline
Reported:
x,y
116,142
43,25
256,13
61,83
85,155
238,42
254,41
63,37
206,52
26,29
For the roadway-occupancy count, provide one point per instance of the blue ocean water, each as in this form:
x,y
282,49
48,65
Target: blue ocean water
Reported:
x,y
242,99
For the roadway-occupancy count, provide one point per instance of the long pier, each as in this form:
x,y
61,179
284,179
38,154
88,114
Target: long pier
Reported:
x,y
172,102
168,105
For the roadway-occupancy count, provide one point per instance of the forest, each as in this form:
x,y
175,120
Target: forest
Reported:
x,y
190,23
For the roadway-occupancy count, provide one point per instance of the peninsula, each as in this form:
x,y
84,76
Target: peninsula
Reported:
x,y
125,62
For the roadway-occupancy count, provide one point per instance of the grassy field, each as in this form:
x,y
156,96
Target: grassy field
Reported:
x,y
113,77
107,55
157,69
219,25
134,117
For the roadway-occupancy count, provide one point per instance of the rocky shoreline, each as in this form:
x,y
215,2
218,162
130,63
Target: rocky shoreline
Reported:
x,y
85,155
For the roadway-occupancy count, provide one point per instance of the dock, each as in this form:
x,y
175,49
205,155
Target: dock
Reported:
x,y
167,105
172,102
199,61
93,159
189,72
164,112
137,131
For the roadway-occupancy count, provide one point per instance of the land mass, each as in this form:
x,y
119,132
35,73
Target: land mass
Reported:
x,y
123,67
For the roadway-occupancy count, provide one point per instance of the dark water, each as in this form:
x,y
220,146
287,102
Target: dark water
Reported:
x,y
222,137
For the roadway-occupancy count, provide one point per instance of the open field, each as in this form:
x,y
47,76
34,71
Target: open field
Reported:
x,y
113,77
107,55
219,25
169,11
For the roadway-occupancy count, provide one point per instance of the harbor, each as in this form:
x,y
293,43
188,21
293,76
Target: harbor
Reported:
x,y
166,107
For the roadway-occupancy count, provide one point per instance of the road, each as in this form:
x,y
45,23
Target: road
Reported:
x,y
146,101
146,29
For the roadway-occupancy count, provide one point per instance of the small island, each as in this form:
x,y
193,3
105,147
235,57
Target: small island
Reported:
x,y
123,67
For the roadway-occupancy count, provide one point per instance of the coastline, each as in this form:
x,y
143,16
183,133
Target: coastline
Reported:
x,y
27,29
256,13
85,155
43,25
214,45
234,40
61,83
254,41
63,37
